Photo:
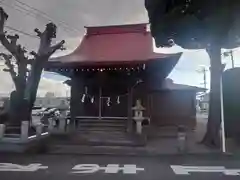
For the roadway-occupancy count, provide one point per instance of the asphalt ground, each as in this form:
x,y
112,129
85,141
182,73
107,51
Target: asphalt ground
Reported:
x,y
71,167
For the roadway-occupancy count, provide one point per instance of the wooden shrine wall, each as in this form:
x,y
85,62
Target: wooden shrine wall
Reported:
x,y
165,108
114,84
117,90
173,108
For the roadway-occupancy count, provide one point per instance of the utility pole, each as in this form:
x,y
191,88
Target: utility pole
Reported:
x,y
231,54
204,70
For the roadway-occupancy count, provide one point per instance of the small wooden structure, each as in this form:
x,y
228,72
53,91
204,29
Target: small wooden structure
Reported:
x,y
112,68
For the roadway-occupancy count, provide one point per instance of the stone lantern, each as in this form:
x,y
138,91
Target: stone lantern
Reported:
x,y
138,115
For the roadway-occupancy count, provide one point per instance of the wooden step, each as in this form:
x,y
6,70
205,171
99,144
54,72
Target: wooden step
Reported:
x,y
99,139
101,121
101,125
103,129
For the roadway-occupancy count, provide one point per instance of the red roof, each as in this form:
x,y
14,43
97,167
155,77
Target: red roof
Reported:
x,y
113,45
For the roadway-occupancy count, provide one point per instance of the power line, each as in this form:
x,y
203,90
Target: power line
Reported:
x,y
27,13
33,14
24,11
45,14
14,29
22,32
9,6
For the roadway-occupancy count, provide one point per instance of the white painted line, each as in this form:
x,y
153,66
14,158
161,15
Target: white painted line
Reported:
x,y
21,168
32,137
186,170
44,134
85,168
232,172
131,169
109,169
203,167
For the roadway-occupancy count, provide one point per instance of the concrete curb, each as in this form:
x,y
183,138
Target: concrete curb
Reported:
x,y
213,156
123,151
31,146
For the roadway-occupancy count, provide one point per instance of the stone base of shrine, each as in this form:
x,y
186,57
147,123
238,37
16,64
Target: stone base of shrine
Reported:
x,y
155,147
155,141
39,145
97,139
164,144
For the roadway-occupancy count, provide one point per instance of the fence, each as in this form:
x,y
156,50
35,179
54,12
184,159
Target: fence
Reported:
x,y
27,132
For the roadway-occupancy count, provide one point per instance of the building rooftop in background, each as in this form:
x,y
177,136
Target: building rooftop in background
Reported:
x,y
170,85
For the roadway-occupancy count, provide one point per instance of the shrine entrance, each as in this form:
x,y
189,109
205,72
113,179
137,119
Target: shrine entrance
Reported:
x,y
102,106
105,101
114,106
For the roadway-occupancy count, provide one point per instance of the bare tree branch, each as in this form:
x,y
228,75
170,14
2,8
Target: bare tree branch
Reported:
x,y
13,39
6,70
21,50
3,18
11,45
9,64
30,61
45,39
33,53
39,33
45,48
54,48
63,48
7,44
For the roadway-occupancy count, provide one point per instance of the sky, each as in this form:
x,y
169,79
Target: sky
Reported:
x,y
71,16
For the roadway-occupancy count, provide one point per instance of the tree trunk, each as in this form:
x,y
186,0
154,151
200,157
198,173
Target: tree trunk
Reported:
x,y
16,109
212,136
33,82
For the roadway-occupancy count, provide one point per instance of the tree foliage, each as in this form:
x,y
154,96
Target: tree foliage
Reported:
x,y
195,24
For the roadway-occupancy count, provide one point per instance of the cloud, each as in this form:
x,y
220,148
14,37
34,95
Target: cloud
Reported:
x,y
46,85
71,16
